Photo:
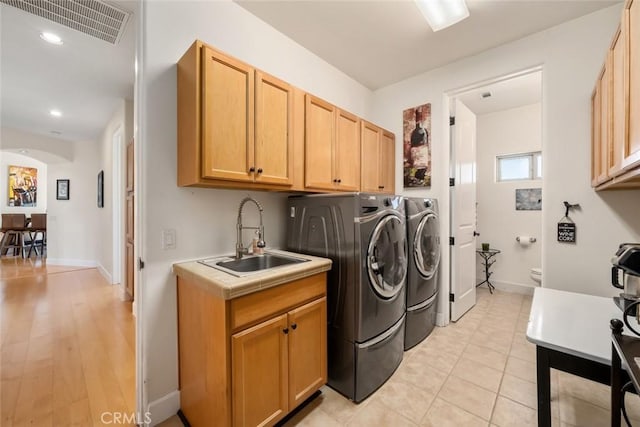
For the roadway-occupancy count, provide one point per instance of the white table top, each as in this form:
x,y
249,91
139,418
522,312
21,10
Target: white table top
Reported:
x,y
573,323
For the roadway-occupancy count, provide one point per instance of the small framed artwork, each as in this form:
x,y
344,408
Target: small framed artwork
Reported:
x,y
529,199
101,189
62,189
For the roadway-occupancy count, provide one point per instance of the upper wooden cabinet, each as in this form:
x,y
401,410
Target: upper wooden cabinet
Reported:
x,y
616,109
239,127
631,155
378,153
332,147
319,141
234,122
595,136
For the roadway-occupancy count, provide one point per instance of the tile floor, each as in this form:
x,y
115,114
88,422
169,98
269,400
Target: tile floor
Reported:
x,y
479,371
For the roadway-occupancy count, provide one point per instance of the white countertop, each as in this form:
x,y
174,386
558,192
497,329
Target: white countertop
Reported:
x,y
228,286
573,323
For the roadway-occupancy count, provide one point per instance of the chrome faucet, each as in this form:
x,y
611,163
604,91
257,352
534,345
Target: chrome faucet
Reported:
x,y
240,249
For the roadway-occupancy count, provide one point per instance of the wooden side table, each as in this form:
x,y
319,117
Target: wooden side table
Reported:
x,y
486,256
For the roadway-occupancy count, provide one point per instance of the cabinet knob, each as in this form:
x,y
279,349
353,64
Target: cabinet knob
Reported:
x,y
294,326
285,330
335,180
339,181
252,169
259,170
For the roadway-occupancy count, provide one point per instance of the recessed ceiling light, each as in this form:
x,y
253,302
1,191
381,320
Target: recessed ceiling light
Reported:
x,y
56,132
51,38
56,113
443,13
23,151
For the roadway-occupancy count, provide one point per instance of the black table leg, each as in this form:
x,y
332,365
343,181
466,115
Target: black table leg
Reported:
x,y
616,387
544,386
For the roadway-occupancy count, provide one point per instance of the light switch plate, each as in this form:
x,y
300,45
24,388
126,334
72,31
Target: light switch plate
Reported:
x,y
168,239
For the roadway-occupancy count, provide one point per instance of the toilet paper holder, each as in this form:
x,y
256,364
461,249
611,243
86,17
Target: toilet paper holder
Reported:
x,y
531,239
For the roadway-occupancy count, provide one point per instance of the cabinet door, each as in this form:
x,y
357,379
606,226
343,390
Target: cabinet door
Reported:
x,y
632,148
605,123
259,380
227,118
273,131
387,162
347,152
595,135
307,350
370,163
618,104
319,141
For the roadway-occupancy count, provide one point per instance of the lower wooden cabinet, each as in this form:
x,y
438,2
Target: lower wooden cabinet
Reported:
x,y
251,360
278,364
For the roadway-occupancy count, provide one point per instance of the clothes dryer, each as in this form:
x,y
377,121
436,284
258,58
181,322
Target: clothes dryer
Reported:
x,y
365,237
423,236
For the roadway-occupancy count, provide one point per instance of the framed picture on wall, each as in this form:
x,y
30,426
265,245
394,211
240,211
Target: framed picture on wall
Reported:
x,y
101,189
416,124
62,189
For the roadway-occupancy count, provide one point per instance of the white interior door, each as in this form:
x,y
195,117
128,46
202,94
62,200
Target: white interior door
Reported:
x,y
463,213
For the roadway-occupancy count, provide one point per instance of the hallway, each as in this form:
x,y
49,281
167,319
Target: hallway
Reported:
x,y
68,346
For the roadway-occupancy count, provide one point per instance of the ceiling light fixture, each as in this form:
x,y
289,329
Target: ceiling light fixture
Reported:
x,y
23,151
442,13
56,113
51,38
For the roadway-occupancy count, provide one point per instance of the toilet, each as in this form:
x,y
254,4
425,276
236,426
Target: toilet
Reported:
x,y
536,275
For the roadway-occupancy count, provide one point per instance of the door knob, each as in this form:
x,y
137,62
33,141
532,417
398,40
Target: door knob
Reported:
x,y
475,233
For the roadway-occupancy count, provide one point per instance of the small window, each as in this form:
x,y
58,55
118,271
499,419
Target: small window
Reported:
x,y
514,167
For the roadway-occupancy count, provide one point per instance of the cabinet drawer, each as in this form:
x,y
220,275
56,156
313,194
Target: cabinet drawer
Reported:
x,y
254,308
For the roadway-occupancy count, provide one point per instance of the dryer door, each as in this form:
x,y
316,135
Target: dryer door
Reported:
x,y
426,246
387,257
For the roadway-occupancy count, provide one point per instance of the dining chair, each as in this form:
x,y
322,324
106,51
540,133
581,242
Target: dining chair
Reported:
x,y
38,226
13,227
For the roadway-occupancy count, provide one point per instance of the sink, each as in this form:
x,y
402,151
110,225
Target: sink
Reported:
x,y
250,264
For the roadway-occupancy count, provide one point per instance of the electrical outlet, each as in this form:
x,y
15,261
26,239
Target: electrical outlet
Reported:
x,y
168,239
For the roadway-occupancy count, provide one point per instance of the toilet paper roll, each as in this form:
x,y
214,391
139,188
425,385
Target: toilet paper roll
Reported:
x,y
524,240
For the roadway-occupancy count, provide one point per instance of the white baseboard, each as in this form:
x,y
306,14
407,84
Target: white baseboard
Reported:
x,y
440,320
72,262
103,271
518,288
164,408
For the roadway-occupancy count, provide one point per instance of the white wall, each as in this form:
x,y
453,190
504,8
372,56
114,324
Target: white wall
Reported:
x,y
121,120
9,158
73,227
204,219
571,55
517,130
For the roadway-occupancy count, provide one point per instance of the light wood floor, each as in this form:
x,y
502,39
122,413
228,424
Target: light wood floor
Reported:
x,y
67,346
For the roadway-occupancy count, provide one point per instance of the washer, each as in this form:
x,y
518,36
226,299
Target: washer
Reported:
x,y
423,236
365,237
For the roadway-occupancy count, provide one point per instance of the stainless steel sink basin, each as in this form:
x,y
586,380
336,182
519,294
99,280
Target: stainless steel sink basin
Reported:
x,y
250,264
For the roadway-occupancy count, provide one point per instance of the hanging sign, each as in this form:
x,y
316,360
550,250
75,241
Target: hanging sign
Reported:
x,y
567,232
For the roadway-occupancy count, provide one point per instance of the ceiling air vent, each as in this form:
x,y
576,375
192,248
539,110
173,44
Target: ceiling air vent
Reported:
x,y
91,17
